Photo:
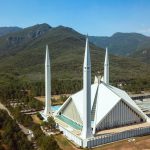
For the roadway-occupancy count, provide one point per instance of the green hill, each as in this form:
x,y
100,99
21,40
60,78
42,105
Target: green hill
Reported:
x,y
66,48
23,56
143,55
7,30
17,41
124,44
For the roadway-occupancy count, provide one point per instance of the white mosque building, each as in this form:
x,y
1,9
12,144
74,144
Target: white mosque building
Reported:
x,y
99,113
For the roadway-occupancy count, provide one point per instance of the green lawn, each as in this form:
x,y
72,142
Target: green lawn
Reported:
x,y
64,143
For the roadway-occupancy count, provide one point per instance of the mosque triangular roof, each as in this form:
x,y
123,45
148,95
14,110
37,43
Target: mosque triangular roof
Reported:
x,y
106,97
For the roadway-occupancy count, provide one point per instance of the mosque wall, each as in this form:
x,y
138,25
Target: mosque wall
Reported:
x,y
120,115
104,139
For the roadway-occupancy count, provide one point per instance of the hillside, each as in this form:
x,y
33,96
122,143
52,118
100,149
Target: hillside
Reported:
x,y
17,41
66,48
143,55
24,58
7,30
123,44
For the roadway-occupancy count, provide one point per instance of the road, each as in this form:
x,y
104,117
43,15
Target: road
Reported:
x,y
25,130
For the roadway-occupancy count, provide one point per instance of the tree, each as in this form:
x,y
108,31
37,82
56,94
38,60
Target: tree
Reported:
x,y
48,143
12,135
51,123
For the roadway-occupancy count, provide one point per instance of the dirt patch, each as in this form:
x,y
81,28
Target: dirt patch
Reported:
x,y
40,98
56,99
36,119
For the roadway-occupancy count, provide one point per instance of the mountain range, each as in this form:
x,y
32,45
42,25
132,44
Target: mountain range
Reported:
x,y
22,53
125,44
6,30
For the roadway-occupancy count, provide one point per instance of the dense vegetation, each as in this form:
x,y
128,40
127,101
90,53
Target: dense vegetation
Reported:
x,y
14,90
143,55
22,55
7,30
25,58
11,135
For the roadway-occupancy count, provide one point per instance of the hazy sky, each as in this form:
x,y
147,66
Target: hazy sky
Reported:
x,y
95,17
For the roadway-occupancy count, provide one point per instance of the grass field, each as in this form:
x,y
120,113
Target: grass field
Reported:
x,y
64,143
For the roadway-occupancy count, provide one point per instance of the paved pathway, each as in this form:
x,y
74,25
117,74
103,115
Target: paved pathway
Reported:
x,y
25,130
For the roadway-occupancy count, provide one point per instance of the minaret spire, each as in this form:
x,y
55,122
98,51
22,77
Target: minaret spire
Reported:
x,y
106,68
47,110
86,130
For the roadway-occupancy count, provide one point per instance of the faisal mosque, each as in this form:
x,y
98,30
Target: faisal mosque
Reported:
x,y
97,114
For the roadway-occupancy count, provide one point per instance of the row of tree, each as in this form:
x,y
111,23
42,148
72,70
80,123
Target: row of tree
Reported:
x,y
17,89
13,88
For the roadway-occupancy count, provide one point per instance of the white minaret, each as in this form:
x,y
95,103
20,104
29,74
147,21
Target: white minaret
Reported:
x,y
47,110
106,68
86,130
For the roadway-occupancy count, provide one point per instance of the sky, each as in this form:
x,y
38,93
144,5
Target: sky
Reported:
x,y
95,17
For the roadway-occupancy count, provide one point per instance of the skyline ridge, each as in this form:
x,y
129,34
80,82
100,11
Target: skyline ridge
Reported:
x,y
95,17
116,32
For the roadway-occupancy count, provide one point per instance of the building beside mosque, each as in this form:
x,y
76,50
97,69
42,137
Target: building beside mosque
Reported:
x,y
99,113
